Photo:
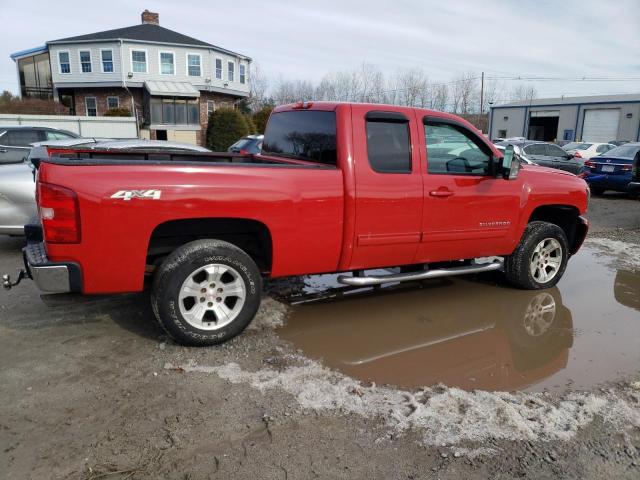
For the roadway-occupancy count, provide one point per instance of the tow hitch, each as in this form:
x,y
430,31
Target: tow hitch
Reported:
x,y
8,284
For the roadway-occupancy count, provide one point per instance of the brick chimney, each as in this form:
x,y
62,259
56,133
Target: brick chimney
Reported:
x,y
150,17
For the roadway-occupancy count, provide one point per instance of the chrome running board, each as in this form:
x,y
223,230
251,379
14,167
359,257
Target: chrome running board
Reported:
x,y
404,277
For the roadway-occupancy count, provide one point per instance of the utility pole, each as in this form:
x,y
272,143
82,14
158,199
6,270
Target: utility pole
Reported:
x,y
481,98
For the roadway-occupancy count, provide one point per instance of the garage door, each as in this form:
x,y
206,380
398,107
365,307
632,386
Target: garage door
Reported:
x,y
601,125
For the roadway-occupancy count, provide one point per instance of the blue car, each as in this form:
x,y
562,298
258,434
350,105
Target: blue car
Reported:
x,y
611,170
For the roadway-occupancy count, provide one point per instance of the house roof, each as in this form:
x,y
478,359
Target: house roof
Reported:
x,y
175,89
145,32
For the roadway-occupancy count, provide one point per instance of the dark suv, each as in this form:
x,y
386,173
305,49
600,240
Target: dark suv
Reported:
x,y
15,142
634,185
544,154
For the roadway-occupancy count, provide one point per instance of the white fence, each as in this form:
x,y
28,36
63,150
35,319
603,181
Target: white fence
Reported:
x,y
106,127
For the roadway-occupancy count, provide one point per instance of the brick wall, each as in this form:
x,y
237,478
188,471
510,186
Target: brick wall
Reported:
x,y
101,95
220,100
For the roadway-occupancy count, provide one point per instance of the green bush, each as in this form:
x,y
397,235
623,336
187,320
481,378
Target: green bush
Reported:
x,y
226,126
260,118
118,112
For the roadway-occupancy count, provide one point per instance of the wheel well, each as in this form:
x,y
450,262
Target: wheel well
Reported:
x,y
250,235
565,216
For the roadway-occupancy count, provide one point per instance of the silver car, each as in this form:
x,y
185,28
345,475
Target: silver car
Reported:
x,y
17,186
15,141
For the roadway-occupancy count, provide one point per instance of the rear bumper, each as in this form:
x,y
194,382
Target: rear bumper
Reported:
x,y
610,182
50,277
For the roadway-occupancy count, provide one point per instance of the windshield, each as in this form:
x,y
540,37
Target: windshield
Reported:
x,y
240,144
304,135
624,151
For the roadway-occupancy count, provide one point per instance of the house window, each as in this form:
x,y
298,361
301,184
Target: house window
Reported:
x,y
243,76
107,61
85,61
502,133
219,68
230,70
193,65
65,65
211,107
113,102
91,106
174,111
139,61
166,63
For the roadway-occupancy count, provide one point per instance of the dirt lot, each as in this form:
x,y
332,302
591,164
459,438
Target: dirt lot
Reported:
x,y
97,391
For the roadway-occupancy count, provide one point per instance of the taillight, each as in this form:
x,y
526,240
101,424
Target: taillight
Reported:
x,y
590,164
577,155
626,168
244,152
59,213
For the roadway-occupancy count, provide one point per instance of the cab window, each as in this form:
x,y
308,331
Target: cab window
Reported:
x,y
454,150
388,145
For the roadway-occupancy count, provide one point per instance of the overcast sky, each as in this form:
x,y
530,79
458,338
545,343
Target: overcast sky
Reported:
x,y
301,39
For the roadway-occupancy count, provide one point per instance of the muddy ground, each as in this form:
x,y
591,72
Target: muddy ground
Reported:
x,y
97,391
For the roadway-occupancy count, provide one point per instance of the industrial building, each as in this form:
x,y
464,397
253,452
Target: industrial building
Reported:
x,y
601,118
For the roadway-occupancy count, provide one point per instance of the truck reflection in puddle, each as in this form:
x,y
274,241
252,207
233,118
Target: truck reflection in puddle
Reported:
x,y
476,334
456,332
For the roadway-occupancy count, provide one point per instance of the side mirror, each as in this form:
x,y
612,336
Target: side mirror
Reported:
x,y
509,166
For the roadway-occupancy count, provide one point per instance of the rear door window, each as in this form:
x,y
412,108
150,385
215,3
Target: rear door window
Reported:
x,y
57,135
536,149
555,151
308,135
21,138
388,145
453,150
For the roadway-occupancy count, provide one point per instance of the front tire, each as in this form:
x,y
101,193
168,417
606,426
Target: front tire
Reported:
x,y
540,259
206,292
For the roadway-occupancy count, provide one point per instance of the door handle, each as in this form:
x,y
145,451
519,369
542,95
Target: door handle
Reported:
x,y
441,193
3,150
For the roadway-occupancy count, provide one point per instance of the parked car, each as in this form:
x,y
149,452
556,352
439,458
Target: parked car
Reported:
x,y
338,187
617,143
545,154
634,185
251,144
587,150
562,143
15,141
17,186
613,170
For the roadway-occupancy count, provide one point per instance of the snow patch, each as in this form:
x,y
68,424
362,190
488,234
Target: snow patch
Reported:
x,y
271,315
627,253
443,416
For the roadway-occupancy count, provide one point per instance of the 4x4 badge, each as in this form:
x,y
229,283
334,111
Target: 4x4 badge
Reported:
x,y
127,195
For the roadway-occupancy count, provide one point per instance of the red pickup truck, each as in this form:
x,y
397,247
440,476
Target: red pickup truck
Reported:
x,y
338,187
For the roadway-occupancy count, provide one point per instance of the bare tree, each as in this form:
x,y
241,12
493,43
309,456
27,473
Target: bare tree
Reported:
x,y
258,86
523,92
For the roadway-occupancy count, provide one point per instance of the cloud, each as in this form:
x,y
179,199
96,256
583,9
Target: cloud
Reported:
x,y
308,39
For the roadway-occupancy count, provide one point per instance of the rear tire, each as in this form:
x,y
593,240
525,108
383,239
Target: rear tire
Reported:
x,y
540,259
206,292
597,191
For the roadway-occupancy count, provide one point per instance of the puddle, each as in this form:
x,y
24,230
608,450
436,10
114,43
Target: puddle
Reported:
x,y
475,333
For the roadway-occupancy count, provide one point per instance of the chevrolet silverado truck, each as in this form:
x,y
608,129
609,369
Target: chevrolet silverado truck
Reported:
x,y
338,187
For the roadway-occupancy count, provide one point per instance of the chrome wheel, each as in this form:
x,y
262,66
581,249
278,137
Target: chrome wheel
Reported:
x,y
540,314
546,260
212,296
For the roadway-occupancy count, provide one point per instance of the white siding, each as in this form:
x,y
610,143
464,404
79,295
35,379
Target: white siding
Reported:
x,y
153,65
76,74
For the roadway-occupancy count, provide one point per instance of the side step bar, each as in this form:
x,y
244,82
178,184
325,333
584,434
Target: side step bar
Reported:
x,y
404,277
